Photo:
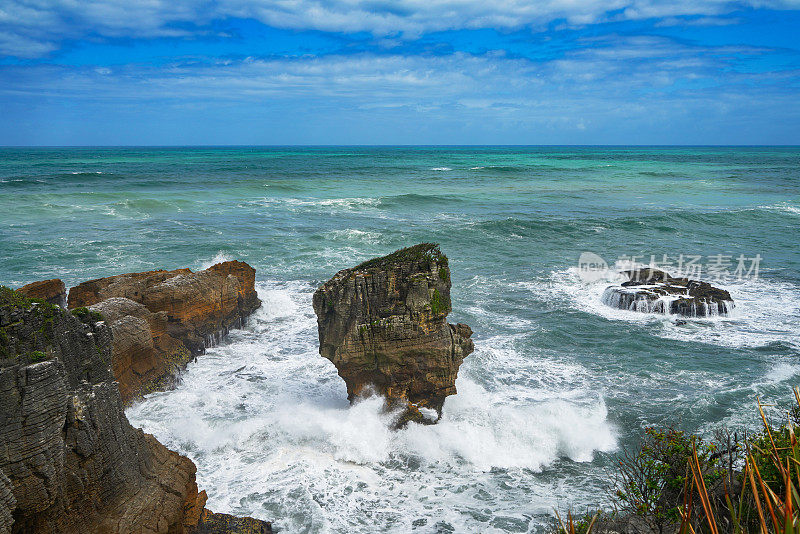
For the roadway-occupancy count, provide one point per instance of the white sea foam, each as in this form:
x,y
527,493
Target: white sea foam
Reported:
x,y
441,169
267,421
784,207
353,234
218,258
782,372
765,310
320,204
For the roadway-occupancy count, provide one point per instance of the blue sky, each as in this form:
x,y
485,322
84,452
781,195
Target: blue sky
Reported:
x,y
162,72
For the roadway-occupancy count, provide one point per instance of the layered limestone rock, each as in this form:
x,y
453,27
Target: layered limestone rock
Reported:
x,y
163,319
69,459
652,290
145,356
202,305
383,324
52,291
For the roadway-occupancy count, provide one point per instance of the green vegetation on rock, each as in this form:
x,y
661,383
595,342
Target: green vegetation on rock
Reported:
x,y
425,253
86,315
438,304
37,356
11,300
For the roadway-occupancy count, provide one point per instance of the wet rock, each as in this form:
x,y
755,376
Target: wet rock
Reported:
x,y
652,290
216,523
384,326
69,459
162,319
52,291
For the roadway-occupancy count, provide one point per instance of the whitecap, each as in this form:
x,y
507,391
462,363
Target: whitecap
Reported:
x,y
220,257
267,421
353,234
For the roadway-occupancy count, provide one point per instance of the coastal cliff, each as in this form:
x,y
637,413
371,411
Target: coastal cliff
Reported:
x,y
162,319
383,324
69,459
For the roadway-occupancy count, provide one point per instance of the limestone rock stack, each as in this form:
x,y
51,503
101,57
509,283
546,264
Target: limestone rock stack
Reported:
x,y
384,326
652,290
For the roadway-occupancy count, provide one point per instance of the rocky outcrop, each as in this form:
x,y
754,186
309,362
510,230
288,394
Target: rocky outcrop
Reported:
x,y
202,306
383,324
652,290
52,291
69,459
163,319
216,523
145,356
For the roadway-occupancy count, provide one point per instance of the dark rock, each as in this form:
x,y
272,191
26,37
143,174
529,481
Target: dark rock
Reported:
x,y
216,523
383,324
69,459
654,291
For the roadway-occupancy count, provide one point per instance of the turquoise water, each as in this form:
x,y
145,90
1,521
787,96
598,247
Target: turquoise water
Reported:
x,y
558,383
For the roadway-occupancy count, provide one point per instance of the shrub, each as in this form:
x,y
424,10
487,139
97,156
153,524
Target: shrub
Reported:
x,y
86,315
650,481
37,356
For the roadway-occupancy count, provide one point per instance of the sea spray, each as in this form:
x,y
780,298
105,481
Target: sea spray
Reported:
x,y
264,404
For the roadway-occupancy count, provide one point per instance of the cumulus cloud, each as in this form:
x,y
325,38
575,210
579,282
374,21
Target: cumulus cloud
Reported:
x,y
30,28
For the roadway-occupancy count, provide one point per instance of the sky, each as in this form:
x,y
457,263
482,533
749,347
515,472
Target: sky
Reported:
x,y
288,72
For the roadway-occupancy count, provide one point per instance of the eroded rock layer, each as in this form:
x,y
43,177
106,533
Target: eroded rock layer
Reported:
x,y
69,459
163,319
52,291
654,291
383,324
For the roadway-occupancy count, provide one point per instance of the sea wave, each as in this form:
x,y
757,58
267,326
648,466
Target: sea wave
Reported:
x,y
356,235
412,200
268,423
326,204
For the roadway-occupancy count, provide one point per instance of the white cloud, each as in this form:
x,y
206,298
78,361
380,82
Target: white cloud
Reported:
x,y
614,69
415,99
30,27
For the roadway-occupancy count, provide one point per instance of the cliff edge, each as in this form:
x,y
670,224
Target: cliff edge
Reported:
x,y
69,459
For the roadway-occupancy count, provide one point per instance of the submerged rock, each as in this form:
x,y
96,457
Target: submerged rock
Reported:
x,y
52,291
383,324
652,290
69,459
162,319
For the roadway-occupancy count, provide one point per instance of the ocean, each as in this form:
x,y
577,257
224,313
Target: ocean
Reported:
x,y
559,383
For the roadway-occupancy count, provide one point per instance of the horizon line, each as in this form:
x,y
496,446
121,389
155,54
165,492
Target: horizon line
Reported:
x,y
388,145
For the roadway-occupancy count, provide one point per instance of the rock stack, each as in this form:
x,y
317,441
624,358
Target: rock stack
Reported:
x,y
384,326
